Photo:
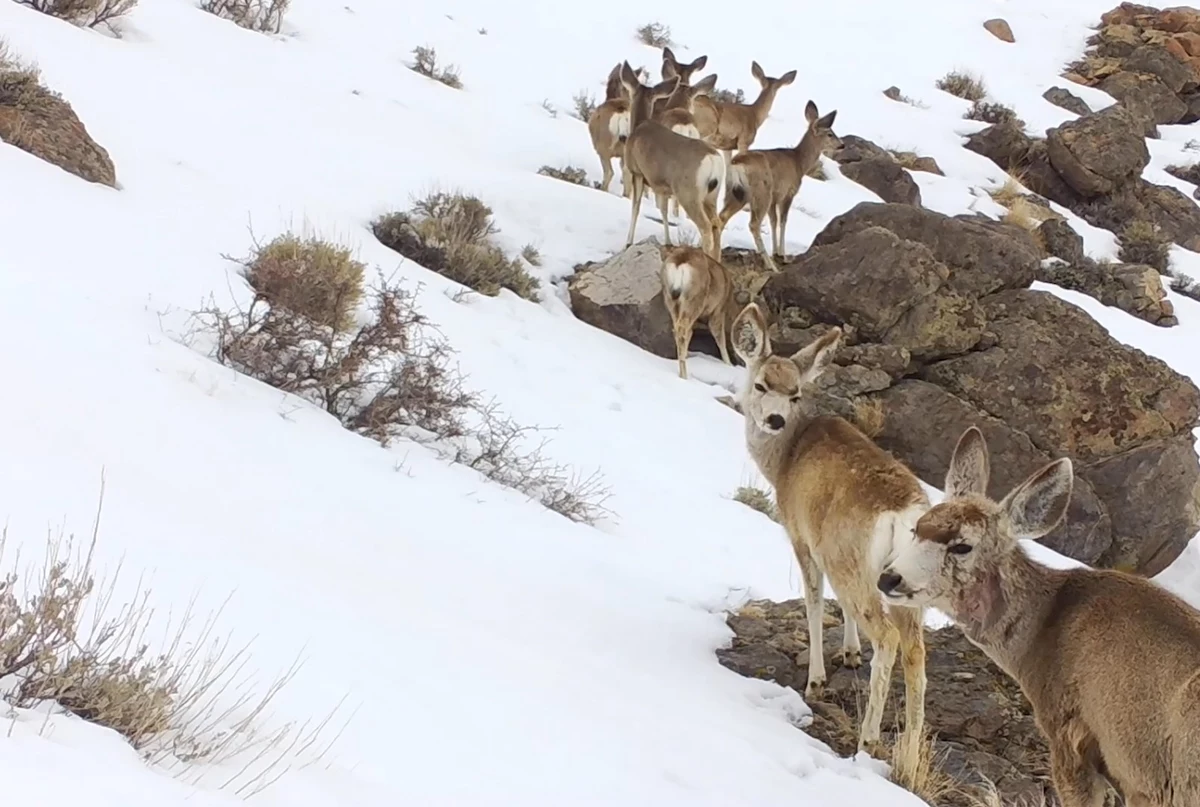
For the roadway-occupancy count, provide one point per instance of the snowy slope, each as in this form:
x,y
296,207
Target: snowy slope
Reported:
x,y
497,653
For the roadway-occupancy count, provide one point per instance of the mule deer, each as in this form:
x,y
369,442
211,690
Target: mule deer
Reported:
x,y
672,67
671,165
696,287
727,126
846,505
1109,661
677,114
609,130
769,179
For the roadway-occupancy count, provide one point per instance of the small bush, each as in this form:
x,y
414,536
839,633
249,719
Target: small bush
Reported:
x,y
576,176
84,13
1142,242
727,97
308,277
656,35
550,108
934,784
817,172
757,499
962,85
1185,285
1024,214
1009,192
263,16
895,94
451,234
532,255
992,112
585,105
425,62
20,83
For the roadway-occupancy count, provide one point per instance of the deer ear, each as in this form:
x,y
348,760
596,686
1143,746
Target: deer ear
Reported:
x,y
665,88
1036,507
705,86
788,77
969,466
810,112
757,71
669,55
812,360
699,63
749,331
827,121
668,70
628,77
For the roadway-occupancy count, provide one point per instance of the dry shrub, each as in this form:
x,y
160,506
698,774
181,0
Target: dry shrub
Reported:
x,y
757,499
1185,285
656,35
63,639
451,234
84,13
20,83
993,112
895,94
933,784
425,62
817,172
962,85
1143,243
1009,192
550,108
576,176
1024,214
263,16
585,105
308,276
868,416
532,255
737,96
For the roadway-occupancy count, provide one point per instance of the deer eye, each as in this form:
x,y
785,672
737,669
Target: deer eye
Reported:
x,y
959,549
760,388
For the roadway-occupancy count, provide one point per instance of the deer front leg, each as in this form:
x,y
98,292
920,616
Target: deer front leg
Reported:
x,y
814,605
785,209
756,220
851,644
636,187
1076,777
912,660
662,200
885,642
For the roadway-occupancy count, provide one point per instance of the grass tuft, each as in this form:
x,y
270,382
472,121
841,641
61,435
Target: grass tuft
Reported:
x,y
757,499
962,85
1143,243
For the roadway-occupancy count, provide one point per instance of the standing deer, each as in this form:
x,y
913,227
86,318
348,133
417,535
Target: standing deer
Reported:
x,y
846,505
769,179
696,287
609,130
672,67
671,165
677,115
727,126
1109,661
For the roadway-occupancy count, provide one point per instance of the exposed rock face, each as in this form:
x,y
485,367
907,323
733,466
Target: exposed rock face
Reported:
x,y
623,296
877,170
1134,288
1065,99
1099,152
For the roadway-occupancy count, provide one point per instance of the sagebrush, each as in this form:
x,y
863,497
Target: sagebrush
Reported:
x,y
263,16
585,105
656,35
737,96
993,112
451,234
757,499
962,85
85,13
425,62
307,275
568,173
1142,242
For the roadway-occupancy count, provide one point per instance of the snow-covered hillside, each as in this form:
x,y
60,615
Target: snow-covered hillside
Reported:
x,y
496,652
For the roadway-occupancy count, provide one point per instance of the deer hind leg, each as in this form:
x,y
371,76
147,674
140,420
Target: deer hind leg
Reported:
x,y
718,325
773,214
683,338
709,203
606,170
1073,766
756,221
814,605
637,185
663,199
912,660
698,214
785,209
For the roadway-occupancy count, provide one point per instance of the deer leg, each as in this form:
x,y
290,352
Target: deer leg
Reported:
x,y
814,605
636,187
1076,778
731,208
851,644
885,642
785,209
773,213
683,338
717,324
714,223
756,220
912,660
662,200
606,173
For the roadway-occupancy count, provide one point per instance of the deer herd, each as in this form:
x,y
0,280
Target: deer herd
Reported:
x,y
1109,661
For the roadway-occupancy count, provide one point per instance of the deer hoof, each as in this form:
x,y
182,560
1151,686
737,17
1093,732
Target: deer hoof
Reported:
x,y
815,689
850,659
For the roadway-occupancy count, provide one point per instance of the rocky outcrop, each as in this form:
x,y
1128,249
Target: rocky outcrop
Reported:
x,y
1134,288
623,296
1065,99
877,170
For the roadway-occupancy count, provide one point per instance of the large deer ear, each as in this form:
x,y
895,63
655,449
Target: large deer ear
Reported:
x,y
810,112
826,122
969,470
705,86
1040,502
698,64
757,71
665,89
629,78
812,360
668,70
750,340
787,78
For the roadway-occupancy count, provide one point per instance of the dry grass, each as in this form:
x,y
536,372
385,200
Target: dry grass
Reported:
x,y
84,13
451,234
656,35
906,159
308,276
934,785
585,105
868,416
1010,191
737,96
425,62
1143,243
263,16
963,85
994,113
817,172
1023,214
569,173
178,701
757,499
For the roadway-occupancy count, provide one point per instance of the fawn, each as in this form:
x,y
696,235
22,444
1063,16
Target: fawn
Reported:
x,y
696,287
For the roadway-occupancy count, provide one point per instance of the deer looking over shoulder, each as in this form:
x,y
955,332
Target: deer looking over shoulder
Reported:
x,y
1109,661
729,126
846,505
769,179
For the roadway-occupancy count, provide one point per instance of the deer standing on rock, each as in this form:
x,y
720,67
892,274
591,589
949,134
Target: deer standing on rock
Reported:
x,y
847,505
671,165
769,179
727,126
696,287
1109,661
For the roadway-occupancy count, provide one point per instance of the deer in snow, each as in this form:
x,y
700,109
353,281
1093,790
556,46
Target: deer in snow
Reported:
x,y
696,287
727,125
1109,661
769,179
608,126
846,505
670,164
672,67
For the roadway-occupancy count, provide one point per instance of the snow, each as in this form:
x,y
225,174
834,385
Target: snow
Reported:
x,y
496,653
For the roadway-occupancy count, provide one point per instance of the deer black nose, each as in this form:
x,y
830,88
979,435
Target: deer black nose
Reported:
x,y
775,421
889,582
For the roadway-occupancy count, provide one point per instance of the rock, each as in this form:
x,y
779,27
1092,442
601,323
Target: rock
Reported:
x,y
943,324
981,259
1189,42
1061,240
1147,98
1065,99
1156,60
623,296
1133,288
1000,29
1116,41
894,93
1188,173
885,177
983,723
39,121
1175,215
1005,144
1193,104
1098,153
855,148
922,423
891,359
926,164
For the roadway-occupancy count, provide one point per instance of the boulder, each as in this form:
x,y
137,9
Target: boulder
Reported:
x,y
1061,241
1000,29
1170,210
623,296
1147,98
1156,60
885,177
1098,153
1065,99
1133,288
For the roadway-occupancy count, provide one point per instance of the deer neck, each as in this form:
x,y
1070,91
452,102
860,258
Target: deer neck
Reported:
x,y
762,104
807,152
772,452
640,110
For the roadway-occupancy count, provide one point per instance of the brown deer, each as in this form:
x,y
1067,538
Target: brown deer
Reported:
x,y
672,67
1109,661
727,125
769,179
696,287
609,129
671,165
677,114
846,505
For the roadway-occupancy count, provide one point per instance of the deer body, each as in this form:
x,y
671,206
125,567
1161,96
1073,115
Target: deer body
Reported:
x,y
727,126
769,179
846,505
609,130
671,164
1110,661
696,287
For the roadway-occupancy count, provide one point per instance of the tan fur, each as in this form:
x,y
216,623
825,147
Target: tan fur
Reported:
x,y
846,504
672,67
696,287
677,114
1109,661
607,140
671,165
728,125
769,179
